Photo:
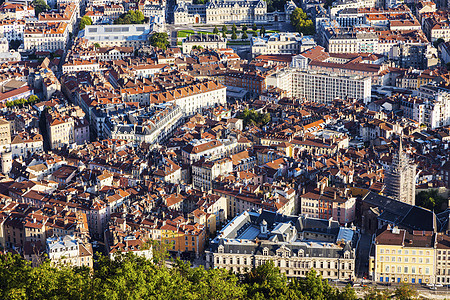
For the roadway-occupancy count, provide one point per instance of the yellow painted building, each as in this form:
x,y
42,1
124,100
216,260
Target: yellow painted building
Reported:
x,y
401,256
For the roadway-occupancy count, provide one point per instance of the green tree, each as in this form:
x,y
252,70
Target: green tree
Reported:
x,y
376,294
254,27
224,29
233,36
234,28
216,30
266,282
253,117
32,99
86,20
96,45
244,28
348,293
40,6
255,33
405,292
300,21
224,35
131,17
431,199
244,35
262,31
159,40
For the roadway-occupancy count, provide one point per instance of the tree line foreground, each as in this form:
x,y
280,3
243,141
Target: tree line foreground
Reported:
x,y
132,277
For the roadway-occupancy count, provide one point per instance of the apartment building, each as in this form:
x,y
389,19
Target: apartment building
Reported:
x,y
168,171
328,202
195,150
114,53
325,87
68,14
442,259
69,251
16,11
12,29
152,126
281,43
204,172
252,82
49,36
353,42
60,130
129,35
437,26
207,41
294,244
403,257
24,144
191,99
436,106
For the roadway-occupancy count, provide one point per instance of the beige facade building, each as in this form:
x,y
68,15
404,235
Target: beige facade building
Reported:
x,y
443,259
400,256
60,130
5,135
204,172
49,36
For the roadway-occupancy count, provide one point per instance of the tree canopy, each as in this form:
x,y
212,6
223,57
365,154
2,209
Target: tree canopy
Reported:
x,y
86,20
431,199
301,22
32,99
131,17
254,117
40,6
159,40
133,277
273,5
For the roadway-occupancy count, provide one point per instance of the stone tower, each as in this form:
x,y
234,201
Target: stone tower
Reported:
x,y
400,178
6,162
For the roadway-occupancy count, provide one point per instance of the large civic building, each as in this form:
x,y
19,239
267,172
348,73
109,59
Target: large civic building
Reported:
x,y
295,245
229,12
128,35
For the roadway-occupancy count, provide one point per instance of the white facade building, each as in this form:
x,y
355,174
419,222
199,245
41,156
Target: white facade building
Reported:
x,y
46,36
150,128
12,29
129,35
68,250
281,43
322,87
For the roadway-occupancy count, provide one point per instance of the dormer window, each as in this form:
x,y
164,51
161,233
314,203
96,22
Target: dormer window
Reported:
x,y
266,251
